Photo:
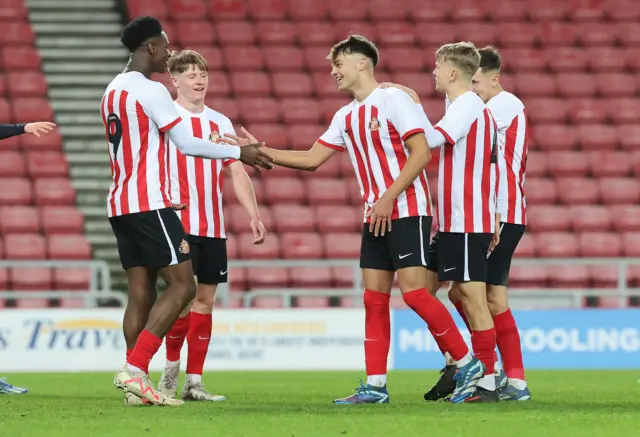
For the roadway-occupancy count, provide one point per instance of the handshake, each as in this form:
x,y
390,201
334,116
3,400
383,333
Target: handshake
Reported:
x,y
250,152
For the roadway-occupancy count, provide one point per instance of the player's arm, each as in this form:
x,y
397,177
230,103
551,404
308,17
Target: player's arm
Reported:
x,y
37,128
308,160
419,157
246,195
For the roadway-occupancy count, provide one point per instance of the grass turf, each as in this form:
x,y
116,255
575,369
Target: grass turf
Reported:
x,y
298,404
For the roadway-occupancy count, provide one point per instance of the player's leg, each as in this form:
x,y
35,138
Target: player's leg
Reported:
x,y
468,268
512,386
377,275
211,270
8,389
142,295
161,244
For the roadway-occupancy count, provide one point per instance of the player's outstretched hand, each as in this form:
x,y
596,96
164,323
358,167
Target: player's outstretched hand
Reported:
x,y
259,231
380,215
39,128
409,91
251,155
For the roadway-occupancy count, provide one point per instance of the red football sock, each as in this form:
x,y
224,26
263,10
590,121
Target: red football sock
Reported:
x,y
439,321
146,347
508,340
484,345
198,342
462,314
377,332
175,337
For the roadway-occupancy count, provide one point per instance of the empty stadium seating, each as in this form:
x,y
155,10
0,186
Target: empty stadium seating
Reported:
x,y
38,216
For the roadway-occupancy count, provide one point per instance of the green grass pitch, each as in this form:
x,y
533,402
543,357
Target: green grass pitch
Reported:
x,y
298,404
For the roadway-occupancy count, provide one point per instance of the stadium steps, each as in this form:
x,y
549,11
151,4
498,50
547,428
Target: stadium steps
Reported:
x,y
79,43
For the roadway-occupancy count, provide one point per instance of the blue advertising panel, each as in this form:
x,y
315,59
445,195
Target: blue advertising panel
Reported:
x,y
551,339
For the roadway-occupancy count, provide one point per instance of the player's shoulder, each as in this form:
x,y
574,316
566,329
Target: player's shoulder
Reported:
x,y
506,100
215,115
342,112
467,103
394,96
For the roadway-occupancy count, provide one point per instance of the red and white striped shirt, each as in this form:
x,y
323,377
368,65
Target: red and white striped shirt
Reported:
x,y
374,132
467,178
137,113
510,116
197,182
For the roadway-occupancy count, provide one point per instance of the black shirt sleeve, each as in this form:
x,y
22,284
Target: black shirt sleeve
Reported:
x,y
11,130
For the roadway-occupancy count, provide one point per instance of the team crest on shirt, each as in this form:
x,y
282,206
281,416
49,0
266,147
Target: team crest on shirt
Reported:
x,y
184,247
374,124
214,137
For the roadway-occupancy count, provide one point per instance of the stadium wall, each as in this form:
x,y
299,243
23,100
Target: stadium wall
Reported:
x,y
91,340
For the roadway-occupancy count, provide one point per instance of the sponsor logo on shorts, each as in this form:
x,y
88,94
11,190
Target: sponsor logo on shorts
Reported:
x,y
184,247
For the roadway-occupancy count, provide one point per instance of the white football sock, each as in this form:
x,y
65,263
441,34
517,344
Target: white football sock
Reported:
x,y
448,360
465,360
132,368
195,379
520,384
377,380
173,363
488,382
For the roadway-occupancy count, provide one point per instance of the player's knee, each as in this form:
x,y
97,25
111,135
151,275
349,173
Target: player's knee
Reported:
x,y
454,294
205,298
497,300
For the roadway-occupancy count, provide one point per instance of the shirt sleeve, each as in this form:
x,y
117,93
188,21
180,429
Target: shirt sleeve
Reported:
x,y
457,121
333,138
159,105
11,130
405,115
229,129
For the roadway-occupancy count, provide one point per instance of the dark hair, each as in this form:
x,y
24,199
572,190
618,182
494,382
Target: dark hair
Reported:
x,y
490,59
355,44
138,31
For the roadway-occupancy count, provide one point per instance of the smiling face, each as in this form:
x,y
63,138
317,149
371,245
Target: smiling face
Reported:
x,y
346,68
192,83
485,84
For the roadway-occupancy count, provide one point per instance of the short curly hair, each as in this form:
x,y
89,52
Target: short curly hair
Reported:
x,y
140,30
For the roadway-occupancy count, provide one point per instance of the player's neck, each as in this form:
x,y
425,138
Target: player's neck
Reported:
x,y
137,65
364,89
195,106
457,90
496,91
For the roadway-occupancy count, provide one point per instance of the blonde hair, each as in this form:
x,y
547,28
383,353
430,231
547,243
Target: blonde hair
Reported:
x,y
463,55
181,61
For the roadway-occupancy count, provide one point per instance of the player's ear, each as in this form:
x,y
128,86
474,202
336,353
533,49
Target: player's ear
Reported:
x,y
173,81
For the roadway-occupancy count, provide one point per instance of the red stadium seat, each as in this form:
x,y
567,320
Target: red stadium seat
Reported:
x,y
600,244
502,11
468,11
566,163
54,191
547,110
603,164
228,107
284,59
270,249
268,9
395,33
228,10
342,245
623,110
385,10
436,12
549,10
353,10
616,84
577,191
315,59
626,218
6,116
268,302
243,58
557,245
20,58
587,10
338,218
187,9
482,34
12,164
518,34
292,84
72,279
235,33
13,11
434,108
628,33
527,247
274,135
253,83
68,246
229,194
590,218
301,110
302,137
554,136
139,8
326,191
19,220
284,190
305,10
523,59
311,302
587,111
568,276
16,191
4,283
12,33
576,84
617,191
566,59
34,108
421,83
30,278
538,84
47,164
536,164
260,109
51,141
237,278
557,34
631,246
543,218
316,33
597,34
61,220
268,277
325,85
213,55
440,33
528,277
301,245
275,33
330,169
597,137
24,246
26,84
219,84
606,59
406,59
293,218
